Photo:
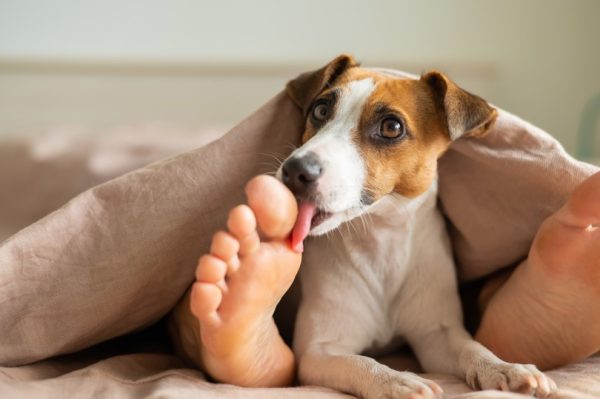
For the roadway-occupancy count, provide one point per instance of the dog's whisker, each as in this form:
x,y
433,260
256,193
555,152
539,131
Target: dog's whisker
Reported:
x,y
290,146
355,229
346,228
271,162
270,166
363,223
278,157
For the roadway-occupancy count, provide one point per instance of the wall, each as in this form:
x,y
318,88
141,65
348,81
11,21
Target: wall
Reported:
x,y
537,58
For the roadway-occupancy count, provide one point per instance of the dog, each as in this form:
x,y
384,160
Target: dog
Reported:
x,y
380,265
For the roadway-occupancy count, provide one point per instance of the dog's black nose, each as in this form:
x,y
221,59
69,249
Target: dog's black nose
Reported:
x,y
299,173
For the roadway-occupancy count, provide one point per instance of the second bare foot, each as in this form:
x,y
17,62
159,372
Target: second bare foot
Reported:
x,y
546,313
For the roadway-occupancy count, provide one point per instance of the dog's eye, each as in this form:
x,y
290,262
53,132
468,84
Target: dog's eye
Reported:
x,y
391,128
320,111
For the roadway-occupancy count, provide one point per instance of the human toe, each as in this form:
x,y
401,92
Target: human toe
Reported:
x,y
242,224
583,208
210,269
205,300
273,204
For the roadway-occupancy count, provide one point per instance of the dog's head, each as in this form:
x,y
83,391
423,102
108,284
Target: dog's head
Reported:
x,y
368,135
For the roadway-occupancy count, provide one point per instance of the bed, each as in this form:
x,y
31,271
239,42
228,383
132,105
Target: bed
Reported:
x,y
93,231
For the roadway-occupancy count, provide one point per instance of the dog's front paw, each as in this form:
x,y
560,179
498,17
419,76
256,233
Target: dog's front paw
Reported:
x,y
521,378
403,385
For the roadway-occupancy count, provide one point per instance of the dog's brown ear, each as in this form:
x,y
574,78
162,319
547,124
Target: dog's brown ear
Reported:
x,y
466,114
305,87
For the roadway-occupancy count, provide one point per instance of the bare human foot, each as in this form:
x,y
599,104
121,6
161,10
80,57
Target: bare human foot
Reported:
x,y
546,312
238,286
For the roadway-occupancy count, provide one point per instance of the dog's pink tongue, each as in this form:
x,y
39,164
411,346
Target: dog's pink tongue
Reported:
x,y
306,211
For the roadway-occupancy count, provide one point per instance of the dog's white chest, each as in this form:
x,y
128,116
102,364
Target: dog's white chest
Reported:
x,y
370,261
381,246
388,241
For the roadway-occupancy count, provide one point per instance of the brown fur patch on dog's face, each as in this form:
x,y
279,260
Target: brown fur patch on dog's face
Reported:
x,y
407,165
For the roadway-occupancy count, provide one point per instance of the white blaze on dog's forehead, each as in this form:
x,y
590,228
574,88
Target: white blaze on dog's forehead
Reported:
x,y
351,103
348,109
341,184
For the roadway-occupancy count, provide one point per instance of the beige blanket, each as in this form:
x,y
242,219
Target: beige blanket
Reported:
x,y
115,259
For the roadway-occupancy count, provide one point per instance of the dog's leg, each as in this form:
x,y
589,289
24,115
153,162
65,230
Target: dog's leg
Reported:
x,y
332,329
334,367
441,343
429,315
450,349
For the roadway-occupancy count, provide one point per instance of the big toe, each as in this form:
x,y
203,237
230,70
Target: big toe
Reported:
x,y
273,204
583,207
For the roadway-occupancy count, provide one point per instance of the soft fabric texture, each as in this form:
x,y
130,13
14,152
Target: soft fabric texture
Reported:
x,y
116,258
40,172
98,267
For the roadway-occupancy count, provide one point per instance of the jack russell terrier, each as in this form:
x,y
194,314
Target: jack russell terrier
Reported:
x,y
366,175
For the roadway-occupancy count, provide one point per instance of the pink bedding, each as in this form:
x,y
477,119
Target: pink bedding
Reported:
x,y
96,268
